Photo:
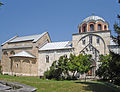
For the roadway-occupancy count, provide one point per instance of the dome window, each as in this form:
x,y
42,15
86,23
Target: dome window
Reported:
x,y
99,27
105,27
84,29
91,27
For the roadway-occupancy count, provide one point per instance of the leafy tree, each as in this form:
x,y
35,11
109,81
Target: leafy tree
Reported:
x,y
104,69
83,63
110,68
60,69
72,64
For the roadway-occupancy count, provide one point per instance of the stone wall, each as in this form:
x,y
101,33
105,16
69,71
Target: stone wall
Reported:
x,y
53,56
7,48
102,47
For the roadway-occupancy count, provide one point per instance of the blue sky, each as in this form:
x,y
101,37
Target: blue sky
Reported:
x,y
59,17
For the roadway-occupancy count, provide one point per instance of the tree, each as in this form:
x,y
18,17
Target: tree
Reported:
x,y
83,63
104,69
1,4
72,64
61,69
117,30
115,68
58,70
115,64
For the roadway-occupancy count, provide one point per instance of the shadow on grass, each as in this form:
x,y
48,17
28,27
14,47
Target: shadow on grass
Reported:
x,y
97,87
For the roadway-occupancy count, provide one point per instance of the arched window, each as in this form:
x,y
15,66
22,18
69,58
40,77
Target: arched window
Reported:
x,y
105,27
47,59
99,27
91,27
84,29
26,60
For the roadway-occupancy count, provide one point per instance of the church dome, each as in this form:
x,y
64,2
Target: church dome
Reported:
x,y
93,23
95,18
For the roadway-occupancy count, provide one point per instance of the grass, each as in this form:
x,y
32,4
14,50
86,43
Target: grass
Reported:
x,y
60,86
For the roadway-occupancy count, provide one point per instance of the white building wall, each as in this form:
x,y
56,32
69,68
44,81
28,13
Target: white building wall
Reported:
x,y
53,56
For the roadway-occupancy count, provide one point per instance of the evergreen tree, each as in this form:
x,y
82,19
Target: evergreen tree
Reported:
x,y
110,64
1,4
117,30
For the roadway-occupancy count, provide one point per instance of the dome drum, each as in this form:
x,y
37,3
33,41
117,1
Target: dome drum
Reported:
x,y
93,23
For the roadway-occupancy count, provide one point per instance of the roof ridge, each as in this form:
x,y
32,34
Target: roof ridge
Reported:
x,y
9,40
33,38
32,35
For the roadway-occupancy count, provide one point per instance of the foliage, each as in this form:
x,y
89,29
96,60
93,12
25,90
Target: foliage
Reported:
x,y
117,30
57,69
1,4
115,64
104,69
62,68
115,68
110,68
83,63
0,69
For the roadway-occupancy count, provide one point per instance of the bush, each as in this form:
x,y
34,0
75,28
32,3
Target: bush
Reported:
x,y
54,74
0,69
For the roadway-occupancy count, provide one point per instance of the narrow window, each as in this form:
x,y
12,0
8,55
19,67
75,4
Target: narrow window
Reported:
x,y
83,42
83,52
99,27
47,59
98,40
90,39
105,27
65,55
84,29
91,27
16,65
5,53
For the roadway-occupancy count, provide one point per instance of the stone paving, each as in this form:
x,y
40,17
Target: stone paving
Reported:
x,y
15,87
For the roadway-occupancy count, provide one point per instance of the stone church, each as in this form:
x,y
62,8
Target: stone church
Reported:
x,y
33,55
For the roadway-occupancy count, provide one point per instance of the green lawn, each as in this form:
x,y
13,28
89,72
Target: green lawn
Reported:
x,y
59,86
